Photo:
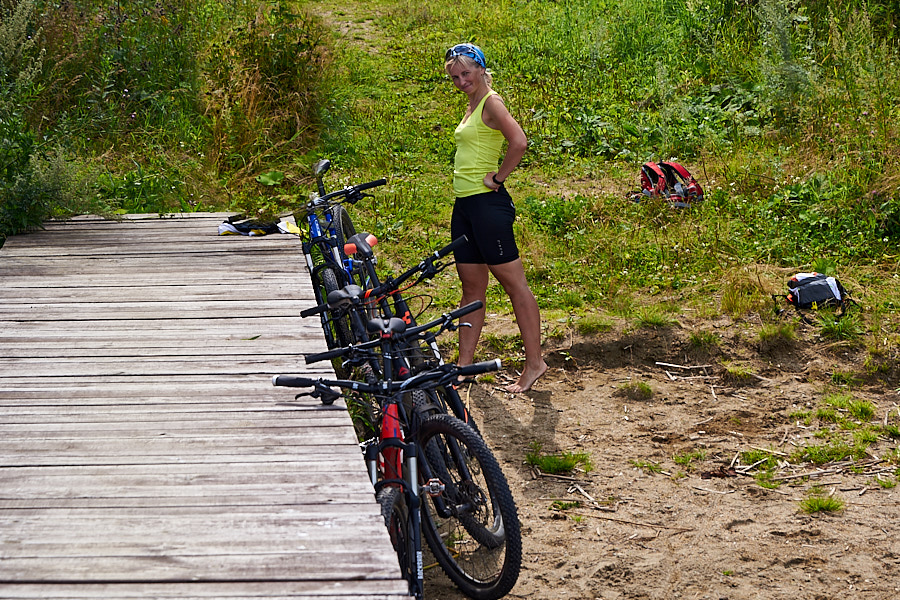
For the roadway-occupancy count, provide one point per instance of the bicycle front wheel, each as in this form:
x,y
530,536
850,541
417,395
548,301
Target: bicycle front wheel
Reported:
x,y
335,326
396,518
472,526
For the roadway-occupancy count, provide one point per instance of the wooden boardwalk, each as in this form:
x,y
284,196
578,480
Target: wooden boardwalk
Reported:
x,y
143,450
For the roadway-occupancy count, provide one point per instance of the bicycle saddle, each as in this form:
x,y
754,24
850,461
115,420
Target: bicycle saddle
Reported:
x,y
386,326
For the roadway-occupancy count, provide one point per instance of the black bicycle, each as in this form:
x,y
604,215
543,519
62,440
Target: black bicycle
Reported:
x,y
430,468
411,353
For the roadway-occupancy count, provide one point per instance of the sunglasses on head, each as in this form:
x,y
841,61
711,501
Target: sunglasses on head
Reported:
x,y
470,50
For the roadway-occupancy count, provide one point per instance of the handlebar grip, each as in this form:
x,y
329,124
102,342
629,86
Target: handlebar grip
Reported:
x,y
450,247
452,316
370,184
327,355
315,310
292,381
464,310
481,367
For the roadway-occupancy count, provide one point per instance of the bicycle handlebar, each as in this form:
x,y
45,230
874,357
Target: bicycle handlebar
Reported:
x,y
444,318
393,284
442,374
444,321
315,310
438,254
371,184
338,352
423,267
292,381
481,367
351,192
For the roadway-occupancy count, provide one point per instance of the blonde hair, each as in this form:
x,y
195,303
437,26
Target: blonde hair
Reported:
x,y
468,61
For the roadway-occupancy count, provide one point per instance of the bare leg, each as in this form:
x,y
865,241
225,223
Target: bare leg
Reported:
x,y
511,276
474,279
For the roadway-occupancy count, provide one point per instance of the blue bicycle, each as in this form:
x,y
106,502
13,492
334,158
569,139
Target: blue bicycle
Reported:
x,y
327,228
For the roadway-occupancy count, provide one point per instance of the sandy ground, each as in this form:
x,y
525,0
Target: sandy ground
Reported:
x,y
706,529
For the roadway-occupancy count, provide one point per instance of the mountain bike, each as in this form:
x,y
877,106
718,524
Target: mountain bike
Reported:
x,y
432,473
328,227
411,353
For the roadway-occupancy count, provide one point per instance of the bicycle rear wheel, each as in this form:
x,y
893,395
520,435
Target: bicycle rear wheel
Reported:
x,y
472,527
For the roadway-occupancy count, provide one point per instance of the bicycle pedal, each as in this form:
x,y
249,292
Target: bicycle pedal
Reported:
x,y
434,487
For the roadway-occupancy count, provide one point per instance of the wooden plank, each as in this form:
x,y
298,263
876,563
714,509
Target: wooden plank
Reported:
x,y
22,294
167,563
165,413
204,365
143,450
241,328
281,590
211,504
131,389
140,249
343,454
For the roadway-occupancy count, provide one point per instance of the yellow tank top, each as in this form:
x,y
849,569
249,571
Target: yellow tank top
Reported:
x,y
477,152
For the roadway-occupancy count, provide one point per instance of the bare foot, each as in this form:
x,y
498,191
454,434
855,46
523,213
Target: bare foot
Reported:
x,y
527,379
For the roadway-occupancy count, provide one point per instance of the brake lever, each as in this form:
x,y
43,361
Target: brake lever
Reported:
x,y
321,391
438,267
453,326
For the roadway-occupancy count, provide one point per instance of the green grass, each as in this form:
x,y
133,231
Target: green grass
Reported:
x,y
884,483
556,463
777,335
635,390
833,451
766,479
687,459
183,108
844,378
593,324
761,458
564,505
704,340
653,317
846,329
648,467
821,504
738,374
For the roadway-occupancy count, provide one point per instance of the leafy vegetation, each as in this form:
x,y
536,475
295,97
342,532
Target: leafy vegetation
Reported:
x,y
648,467
635,390
817,501
559,462
785,112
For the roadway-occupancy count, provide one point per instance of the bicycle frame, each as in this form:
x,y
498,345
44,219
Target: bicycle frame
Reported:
x,y
325,237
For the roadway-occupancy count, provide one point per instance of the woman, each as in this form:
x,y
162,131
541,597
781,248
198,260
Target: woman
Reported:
x,y
484,210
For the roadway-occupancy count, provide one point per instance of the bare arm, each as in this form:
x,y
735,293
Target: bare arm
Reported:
x,y
496,116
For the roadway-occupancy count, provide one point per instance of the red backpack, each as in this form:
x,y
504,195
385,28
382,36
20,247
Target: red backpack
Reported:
x,y
670,180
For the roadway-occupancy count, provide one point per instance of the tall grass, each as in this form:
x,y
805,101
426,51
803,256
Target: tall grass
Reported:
x,y
168,105
785,111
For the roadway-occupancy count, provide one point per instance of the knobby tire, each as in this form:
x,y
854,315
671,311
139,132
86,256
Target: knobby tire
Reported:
x,y
396,519
478,540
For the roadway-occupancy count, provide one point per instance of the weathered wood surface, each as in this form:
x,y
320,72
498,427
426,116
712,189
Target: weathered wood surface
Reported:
x,y
143,450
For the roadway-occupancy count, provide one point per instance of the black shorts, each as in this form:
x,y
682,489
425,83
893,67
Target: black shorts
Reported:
x,y
487,220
